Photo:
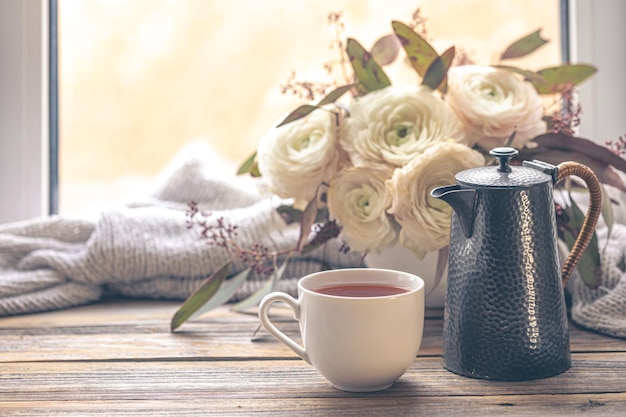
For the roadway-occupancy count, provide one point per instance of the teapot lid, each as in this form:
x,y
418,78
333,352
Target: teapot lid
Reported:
x,y
505,176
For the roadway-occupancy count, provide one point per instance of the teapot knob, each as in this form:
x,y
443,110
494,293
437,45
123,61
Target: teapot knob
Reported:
x,y
504,155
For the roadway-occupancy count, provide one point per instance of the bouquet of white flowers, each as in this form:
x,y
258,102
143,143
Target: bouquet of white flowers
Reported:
x,y
359,160
380,152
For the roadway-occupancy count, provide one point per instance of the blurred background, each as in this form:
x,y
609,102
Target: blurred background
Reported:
x,y
141,79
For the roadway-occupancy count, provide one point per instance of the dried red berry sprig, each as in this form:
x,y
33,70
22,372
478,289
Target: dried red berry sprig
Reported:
x,y
567,118
262,260
618,146
303,89
314,90
219,232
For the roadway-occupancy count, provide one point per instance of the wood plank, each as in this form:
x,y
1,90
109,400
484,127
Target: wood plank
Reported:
x,y
211,404
118,357
140,330
108,311
215,340
121,311
91,381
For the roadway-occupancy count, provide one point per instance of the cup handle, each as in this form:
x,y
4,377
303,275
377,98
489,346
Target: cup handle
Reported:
x,y
591,218
264,309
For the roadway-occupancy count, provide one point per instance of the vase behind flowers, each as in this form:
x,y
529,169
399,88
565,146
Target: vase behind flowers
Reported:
x,y
400,258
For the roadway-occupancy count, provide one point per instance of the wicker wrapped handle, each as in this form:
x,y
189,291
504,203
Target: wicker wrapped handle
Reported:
x,y
591,218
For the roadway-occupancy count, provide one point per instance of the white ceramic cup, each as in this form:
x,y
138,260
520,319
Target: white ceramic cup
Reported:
x,y
358,344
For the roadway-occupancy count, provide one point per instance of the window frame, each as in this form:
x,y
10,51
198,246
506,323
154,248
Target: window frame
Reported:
x,y
28,93
595,28
24,109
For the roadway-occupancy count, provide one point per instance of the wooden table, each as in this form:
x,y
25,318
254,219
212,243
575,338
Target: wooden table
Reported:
x,y
119,357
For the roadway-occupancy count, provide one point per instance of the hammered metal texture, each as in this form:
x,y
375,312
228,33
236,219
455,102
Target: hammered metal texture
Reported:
x,y
490,177
505,316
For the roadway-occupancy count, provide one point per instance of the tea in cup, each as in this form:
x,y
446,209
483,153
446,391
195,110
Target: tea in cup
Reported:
x,y
361,328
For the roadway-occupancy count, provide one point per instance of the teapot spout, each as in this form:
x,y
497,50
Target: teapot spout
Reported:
x,y
462,201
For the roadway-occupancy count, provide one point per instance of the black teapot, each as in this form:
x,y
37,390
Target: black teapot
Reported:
x,y
505,315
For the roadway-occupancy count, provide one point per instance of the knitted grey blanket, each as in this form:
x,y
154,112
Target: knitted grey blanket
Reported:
x,y
604,309
145,249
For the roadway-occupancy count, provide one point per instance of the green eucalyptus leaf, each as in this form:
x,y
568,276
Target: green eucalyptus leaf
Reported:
x,y
306,222
605,173
437,72
524,46
560,147
290,214
201,296
419,52
249,166
585,146
386,49
297,114
312,212
270,285
589,263
225,293
255,298
556,78
322,214
527,74
447,57
335,94
369,74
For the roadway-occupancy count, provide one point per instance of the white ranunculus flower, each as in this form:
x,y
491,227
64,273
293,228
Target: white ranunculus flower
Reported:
x,y
294,159
492,102
425,220
358,199
392,125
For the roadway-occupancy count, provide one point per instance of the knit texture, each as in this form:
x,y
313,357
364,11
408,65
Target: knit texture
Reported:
x,y
604,308
144,249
